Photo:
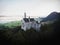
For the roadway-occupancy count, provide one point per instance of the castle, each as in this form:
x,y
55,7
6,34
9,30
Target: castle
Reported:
x,y
28,23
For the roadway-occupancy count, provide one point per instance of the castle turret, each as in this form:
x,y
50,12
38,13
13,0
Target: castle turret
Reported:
x,y
25,15
29,18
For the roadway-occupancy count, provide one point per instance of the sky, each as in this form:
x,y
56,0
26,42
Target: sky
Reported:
x,y
40,8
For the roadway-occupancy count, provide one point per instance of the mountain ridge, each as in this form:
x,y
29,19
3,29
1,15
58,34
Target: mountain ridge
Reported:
x,y
52,16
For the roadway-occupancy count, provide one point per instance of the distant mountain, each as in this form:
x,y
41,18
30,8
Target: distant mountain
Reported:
x,y
52,16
